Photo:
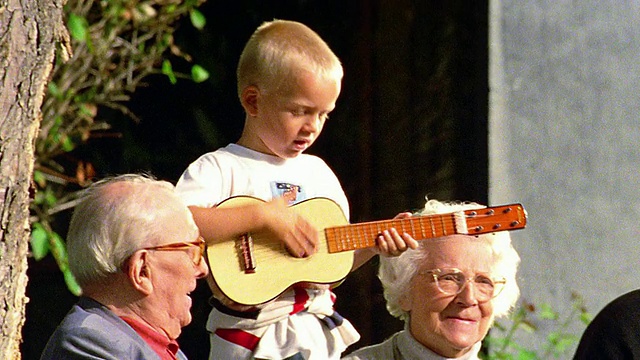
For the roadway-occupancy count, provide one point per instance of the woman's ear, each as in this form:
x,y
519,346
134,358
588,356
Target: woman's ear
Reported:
x,y
139,272
249,100
405,302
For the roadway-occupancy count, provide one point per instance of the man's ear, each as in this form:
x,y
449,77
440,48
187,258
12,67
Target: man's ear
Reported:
x,y
139,272
249,100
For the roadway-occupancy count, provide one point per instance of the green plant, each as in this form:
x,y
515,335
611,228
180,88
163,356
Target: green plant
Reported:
x,y
501,342
116,44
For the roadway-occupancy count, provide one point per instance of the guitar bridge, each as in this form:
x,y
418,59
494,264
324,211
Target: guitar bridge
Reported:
x,y
245,249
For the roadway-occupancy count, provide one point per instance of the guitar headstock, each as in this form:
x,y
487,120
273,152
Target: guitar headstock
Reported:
x,y
495,218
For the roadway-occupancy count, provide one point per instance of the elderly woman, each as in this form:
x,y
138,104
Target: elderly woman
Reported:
x,y
448,292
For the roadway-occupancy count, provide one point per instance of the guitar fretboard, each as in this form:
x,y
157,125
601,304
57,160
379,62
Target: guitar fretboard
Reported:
x,y
363,235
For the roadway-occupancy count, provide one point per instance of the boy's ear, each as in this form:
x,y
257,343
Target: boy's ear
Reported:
x,y
249,100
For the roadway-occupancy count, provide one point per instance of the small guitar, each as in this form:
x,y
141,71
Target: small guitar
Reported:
x,y
254,268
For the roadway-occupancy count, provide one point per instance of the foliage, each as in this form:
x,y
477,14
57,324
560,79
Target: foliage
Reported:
x,y
116,44
530,319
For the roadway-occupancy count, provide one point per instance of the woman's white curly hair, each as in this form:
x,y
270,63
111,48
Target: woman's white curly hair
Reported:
x,y
396,273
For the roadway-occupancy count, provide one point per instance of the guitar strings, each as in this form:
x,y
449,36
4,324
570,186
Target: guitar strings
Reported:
x,y
362,235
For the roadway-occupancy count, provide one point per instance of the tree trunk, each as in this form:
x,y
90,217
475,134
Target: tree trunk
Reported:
x,y
29,33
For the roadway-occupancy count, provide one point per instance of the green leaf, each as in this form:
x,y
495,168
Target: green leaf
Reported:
x,y
585,318
71,282
199,74
84,110
39,242
78,27
50,198
546,312
39,198
39,178
168,70
54,90
528,327
167,39
554,337
59,251
170,8
197,19
527,355
67,144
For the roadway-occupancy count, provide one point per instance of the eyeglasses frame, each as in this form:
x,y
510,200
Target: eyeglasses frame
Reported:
x,y
435,273
182,246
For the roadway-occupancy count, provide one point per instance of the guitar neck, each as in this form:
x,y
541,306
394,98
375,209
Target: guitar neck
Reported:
x,y
363,235
474,222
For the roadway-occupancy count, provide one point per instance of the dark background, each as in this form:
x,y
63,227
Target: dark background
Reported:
x,y
411,122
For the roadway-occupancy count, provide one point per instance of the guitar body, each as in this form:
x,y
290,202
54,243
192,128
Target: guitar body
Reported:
x,y
274,269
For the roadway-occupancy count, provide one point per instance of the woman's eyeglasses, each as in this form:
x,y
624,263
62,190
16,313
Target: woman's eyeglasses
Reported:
x,y
453,281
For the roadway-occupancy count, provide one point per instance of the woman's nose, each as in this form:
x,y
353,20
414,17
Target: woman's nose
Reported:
x,y
467,295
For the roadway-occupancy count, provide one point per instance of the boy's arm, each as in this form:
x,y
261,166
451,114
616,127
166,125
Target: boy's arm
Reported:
x,y
273,217
389,243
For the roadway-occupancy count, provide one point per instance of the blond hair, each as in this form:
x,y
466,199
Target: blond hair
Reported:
x,y
278,50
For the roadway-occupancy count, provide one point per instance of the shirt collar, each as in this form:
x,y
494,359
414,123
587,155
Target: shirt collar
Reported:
x,y
160,343
410,348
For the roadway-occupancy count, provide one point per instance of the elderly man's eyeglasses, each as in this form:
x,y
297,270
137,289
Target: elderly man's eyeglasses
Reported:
x,y
453,281
195,249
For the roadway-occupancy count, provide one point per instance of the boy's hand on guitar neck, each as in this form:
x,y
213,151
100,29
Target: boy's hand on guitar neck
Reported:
x,y
388,243
392,243
298,235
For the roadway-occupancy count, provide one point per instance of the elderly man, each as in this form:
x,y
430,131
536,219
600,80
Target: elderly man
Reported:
x,y
137,255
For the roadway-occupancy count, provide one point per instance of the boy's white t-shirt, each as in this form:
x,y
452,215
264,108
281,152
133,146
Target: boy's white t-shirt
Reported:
x,y
235,170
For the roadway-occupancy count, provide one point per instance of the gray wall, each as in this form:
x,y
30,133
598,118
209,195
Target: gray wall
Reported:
x,y
564,137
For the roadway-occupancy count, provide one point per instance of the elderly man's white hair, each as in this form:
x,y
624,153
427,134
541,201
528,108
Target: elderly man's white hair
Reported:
x,y
119,215
396,273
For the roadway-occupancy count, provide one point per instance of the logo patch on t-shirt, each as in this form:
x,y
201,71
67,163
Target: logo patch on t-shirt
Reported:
x,y
292,193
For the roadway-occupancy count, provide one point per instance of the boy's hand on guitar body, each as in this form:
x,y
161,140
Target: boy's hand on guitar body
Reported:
x,y
298,235
392,243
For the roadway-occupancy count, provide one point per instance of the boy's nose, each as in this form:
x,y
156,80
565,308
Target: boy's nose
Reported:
x,y
313,123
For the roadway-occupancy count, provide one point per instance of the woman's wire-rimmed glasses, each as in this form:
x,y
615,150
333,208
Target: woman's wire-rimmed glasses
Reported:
x,y
452,281
196,256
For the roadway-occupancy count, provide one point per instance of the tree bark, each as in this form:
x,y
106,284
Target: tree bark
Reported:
x,y
29,34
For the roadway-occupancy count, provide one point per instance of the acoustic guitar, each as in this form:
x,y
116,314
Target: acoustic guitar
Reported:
x,y
255,268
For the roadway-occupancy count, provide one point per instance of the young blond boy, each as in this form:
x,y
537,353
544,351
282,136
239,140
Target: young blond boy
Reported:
x,y
288,83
